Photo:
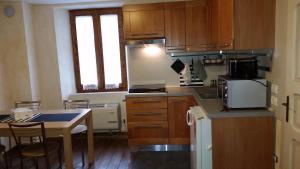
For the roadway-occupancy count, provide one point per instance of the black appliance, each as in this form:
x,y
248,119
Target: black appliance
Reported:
x,y
242,68
153,88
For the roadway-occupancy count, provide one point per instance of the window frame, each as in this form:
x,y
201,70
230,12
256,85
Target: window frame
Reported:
x,y
95,13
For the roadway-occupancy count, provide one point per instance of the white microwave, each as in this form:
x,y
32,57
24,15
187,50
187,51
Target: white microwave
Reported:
x,y
244,93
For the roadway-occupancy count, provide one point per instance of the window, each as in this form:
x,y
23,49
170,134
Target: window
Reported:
x,y
99,50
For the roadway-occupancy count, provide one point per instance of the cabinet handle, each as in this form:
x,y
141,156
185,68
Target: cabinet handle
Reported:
x,y
189,120
148,34
150,101
225,45
111,121
147,114
174,49
149,126
209,147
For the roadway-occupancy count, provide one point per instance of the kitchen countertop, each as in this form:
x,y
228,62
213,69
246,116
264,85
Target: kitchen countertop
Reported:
x,y
213,107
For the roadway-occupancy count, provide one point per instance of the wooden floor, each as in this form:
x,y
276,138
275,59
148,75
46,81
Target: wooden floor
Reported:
x,y
113,153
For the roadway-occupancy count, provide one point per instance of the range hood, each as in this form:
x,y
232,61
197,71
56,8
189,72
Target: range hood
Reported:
x,y
141,42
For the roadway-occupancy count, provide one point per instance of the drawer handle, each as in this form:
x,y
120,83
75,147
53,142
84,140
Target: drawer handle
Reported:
x,y
152,101
149,126
148,34
147,114
111,121
175,49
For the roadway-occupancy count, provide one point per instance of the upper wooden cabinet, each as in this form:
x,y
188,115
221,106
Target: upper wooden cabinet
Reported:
x,y
222,24
175,26
198,26
254,24
204,25
144,21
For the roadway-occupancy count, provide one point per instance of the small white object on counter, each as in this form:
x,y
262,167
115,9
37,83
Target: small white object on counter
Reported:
x,y
22,113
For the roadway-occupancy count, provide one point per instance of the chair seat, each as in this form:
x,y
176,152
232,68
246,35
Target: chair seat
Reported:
x,y
2,148
79,129
37,150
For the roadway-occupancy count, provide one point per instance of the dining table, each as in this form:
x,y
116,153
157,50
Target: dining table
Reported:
x,y
58,123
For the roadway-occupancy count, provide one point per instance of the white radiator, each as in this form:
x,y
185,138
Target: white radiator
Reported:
x,y
106,117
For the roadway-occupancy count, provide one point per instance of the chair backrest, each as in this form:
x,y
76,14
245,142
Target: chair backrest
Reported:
x,y
28,130
34,105
76,104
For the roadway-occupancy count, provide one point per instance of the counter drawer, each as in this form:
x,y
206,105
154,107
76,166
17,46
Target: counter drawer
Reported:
x,y
144,130
146,102
138,115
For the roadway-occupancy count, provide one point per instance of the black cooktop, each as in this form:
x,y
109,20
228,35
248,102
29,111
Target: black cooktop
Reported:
x,y
153,88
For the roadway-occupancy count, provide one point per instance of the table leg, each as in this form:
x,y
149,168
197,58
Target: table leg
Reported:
x,y
68,149
90,138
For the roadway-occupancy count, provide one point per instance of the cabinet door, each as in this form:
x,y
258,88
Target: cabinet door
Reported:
x,y
248,139
178,129
254,24
143,21
222,24
148,132
198,25
175,26
146,103
138,115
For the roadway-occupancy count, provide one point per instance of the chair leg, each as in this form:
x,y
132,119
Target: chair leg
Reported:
x,y
5,160
83,147
21,158
47,162
59,154
36,162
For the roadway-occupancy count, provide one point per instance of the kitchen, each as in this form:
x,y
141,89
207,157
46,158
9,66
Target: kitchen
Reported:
x,y
212,33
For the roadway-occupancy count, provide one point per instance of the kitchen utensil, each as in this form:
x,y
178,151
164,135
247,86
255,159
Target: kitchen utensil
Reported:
x,y
177,66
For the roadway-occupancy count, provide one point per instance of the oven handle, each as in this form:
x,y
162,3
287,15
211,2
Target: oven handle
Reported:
x,y
189,120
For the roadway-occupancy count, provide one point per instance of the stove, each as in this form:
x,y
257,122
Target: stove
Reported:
x,y
153,88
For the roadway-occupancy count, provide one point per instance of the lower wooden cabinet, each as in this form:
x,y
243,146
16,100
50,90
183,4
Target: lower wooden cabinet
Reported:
x,y
158,120
148,132
243,143
179,132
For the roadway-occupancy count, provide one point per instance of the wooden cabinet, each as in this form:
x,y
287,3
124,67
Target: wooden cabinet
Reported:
x,y
175,26
198,26
222,24
254,24
248,139
179,132
148,132
147,120
158,120
143,21
204,25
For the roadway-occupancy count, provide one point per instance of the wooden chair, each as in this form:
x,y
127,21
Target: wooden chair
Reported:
x,y
3,151
81,128
34,149
33,105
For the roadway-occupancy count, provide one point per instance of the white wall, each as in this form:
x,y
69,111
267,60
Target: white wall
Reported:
x,y
46,51
145,66
64,52
31,56
13,54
